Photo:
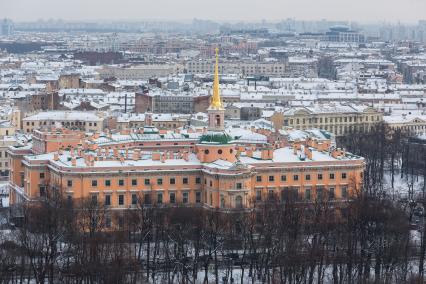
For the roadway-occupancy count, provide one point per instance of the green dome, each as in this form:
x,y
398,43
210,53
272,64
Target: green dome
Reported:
x,y
150,130
219,137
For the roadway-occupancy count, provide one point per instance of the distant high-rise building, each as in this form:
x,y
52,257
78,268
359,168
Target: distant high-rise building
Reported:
x,y
6,27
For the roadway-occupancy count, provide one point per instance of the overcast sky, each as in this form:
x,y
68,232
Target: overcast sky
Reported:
x,y
224,10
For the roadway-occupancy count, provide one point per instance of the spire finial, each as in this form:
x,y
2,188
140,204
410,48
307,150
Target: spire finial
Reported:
x,y
216,101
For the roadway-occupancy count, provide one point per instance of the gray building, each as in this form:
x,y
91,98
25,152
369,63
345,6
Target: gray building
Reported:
x,y
6,27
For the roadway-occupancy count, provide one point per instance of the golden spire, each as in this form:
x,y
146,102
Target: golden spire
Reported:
x,y
216,101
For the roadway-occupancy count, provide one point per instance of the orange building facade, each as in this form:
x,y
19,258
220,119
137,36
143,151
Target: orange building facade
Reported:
x,y
209,169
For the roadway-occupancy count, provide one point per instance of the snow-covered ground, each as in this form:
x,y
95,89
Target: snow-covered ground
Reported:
x,y
4,195
402,186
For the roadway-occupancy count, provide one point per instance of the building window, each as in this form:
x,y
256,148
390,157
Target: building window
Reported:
x,y
283,178
121,199
160,181
185,197
319,176
343,175
147,198
42,175
271,178
238,201
107,200
222,201
239,185
320,194
295,177
107,182
332,176
331,194
185,180
219,152
172,197
308,177
172,181
108,221
94,183
121,182
344,192
258,178
69,183
198,197
308,194
197,180
271,194
134,182
134,199
146,181
258,195
94,199
159,198
42,190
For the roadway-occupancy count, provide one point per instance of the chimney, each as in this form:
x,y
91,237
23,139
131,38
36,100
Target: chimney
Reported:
x,y
56,156
266,153
156,156
73,161
87,160
335,153
186,156
308,152
136,155
249,152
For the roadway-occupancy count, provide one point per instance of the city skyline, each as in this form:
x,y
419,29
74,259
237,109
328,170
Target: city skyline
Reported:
x,y
410,11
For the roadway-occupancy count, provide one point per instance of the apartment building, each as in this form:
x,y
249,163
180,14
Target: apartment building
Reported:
x,y
336,118
87,121
171,103
202,66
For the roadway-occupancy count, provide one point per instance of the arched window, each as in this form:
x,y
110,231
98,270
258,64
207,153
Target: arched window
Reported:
x,y
217,120
238,201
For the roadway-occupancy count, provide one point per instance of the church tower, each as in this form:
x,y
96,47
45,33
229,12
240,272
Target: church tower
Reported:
x,y
216,144
216,112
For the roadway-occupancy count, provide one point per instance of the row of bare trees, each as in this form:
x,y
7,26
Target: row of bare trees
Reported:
x,y
365,240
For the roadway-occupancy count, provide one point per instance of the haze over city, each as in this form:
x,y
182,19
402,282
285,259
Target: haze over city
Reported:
x,y
409,11
221,141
